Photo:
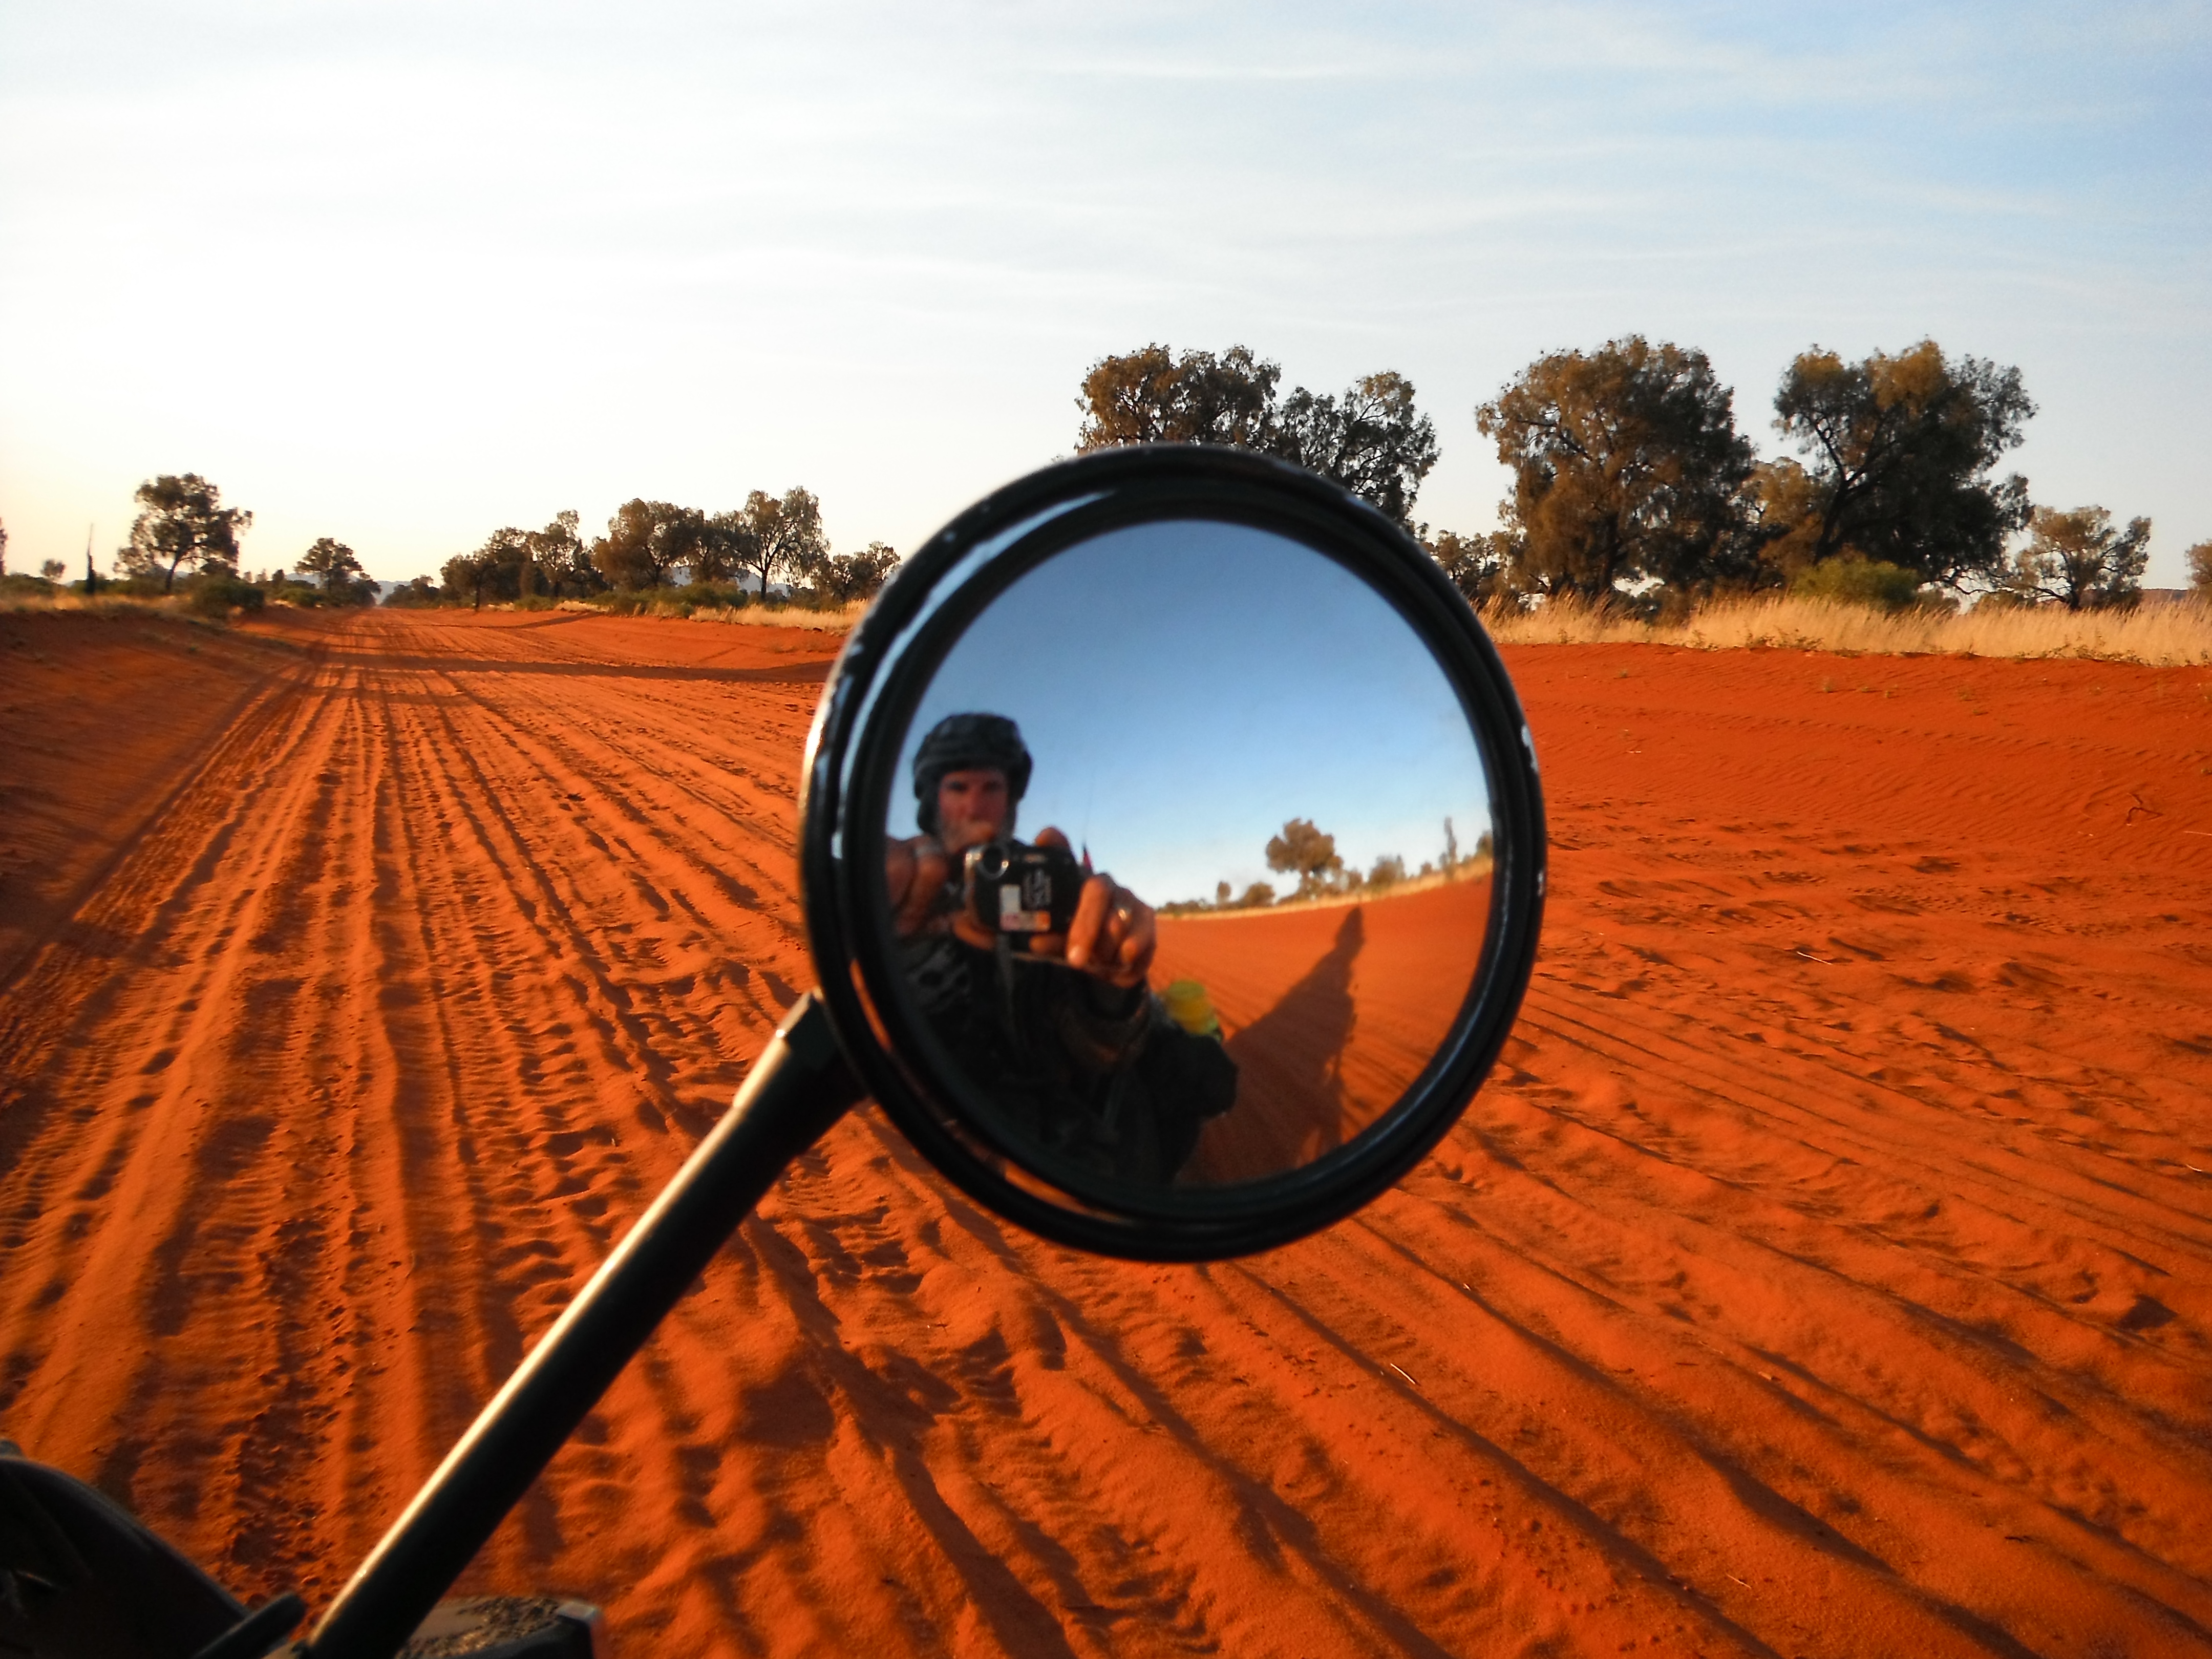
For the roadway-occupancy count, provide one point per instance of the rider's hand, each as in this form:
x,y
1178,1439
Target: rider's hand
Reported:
x,y
1112,936
916,869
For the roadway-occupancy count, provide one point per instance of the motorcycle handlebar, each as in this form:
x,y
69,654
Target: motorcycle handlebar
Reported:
x,y
799,1087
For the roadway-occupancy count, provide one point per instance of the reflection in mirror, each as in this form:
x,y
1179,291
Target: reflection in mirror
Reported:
x,y
1197,876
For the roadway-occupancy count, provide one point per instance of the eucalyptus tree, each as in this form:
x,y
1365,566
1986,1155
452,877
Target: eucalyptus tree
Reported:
x,y
1627,470
1371,438
2079,560
181,519
1900,451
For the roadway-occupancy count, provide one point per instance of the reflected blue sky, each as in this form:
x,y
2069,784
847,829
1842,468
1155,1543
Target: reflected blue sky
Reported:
x,y
1186,688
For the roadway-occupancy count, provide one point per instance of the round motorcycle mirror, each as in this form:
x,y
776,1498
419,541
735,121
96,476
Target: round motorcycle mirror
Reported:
x,y
1172,851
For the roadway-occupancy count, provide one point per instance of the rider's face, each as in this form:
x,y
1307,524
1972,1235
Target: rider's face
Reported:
x,y
972,807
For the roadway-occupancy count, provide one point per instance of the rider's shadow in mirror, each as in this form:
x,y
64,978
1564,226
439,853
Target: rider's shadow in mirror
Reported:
x,y
1289,1104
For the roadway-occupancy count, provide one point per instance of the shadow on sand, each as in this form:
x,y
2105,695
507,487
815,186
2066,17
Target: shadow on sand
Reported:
x,y
1289,1104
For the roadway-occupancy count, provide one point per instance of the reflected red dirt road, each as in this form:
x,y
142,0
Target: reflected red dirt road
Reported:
x,y
1330,1011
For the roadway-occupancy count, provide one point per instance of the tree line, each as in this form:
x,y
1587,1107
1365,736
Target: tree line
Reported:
x,y
1632,486
185,540
654,544
183,529
1305,851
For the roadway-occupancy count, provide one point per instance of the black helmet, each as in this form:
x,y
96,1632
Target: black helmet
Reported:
x,y
961,741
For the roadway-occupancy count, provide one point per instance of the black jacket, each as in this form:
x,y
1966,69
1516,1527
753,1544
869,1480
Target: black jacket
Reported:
x,y
1094,1076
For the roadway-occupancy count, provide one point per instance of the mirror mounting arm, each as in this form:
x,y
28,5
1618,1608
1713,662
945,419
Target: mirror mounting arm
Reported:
x,y
799,1087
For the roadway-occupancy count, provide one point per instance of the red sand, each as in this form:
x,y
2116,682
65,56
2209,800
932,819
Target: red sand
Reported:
x,y
1829,1271
1330,1012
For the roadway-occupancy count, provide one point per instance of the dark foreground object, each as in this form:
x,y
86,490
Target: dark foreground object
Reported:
x,y
82,1579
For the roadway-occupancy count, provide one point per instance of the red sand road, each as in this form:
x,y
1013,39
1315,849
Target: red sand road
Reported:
x,y
1330,1011
1829,1270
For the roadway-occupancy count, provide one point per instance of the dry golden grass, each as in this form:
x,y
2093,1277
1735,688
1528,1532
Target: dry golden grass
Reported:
x,y
103,604
2159,634
755,615
835,622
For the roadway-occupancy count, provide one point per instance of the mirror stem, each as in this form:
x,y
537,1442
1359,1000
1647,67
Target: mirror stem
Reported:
x,y
799,1087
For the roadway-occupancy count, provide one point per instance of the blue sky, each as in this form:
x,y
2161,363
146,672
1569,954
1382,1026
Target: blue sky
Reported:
x,y
402,273
1186,688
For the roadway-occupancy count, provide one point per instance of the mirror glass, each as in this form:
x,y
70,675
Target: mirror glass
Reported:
x,y
1188,858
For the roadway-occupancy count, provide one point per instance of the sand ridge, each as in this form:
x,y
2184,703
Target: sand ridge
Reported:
x,y
1828,1271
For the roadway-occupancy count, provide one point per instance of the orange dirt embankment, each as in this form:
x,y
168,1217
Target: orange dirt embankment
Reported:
x,y
1828,1271
103,717
1330,1012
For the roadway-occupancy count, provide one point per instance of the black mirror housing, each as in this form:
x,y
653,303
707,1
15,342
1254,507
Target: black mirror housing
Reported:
x,y
853,785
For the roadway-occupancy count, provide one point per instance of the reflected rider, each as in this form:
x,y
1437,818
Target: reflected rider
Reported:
x,y
1064,1037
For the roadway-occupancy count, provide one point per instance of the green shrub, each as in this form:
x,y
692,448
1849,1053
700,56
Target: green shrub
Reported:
x,y
420,593
1851,580
717,596
217,595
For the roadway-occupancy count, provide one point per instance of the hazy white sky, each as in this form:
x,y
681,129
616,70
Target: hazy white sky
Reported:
x,y
402,273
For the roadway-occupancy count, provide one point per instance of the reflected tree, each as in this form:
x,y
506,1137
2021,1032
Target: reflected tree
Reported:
x,y
1305,851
